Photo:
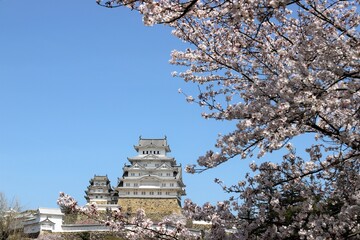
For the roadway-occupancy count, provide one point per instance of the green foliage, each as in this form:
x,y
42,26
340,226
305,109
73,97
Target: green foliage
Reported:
x,y
113,238
84,235
70,218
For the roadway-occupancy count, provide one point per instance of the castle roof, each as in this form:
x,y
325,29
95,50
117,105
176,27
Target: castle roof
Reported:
x,y
101,178
52,211
151,157
153,143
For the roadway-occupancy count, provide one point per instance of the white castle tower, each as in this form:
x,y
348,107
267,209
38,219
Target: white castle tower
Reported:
x,y
100,192
152,181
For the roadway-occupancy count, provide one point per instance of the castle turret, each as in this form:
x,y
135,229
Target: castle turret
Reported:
x,y
100,192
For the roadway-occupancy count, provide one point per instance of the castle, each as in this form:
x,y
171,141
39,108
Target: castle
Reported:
x,y
152,181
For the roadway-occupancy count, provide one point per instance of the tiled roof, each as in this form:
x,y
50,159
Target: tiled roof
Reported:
x,y
153,142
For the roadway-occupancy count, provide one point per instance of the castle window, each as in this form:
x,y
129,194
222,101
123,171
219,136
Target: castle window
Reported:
x,y
151,193
143,193
135,193
128,184
167,174
132,174
143,152
158,152
128,193
171,184
147,152
163,184
136,184
159,193
167,193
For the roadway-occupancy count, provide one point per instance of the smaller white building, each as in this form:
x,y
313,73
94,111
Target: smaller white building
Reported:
x,y
100,192
44,220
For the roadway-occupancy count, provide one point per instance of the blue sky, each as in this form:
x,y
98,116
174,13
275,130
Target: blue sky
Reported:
x,y
78,85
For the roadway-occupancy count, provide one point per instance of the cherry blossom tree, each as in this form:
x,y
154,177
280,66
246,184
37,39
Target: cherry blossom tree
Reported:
x,y
135,227
279,69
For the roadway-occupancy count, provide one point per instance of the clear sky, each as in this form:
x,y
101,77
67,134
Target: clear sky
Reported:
x,y
78,85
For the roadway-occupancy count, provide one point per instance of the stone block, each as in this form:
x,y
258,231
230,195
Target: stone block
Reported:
x,y
153,207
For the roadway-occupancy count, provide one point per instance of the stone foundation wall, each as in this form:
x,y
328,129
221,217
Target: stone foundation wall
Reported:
x,y
154,207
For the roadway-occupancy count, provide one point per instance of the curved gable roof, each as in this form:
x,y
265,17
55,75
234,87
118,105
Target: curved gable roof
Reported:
x,y
153,143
